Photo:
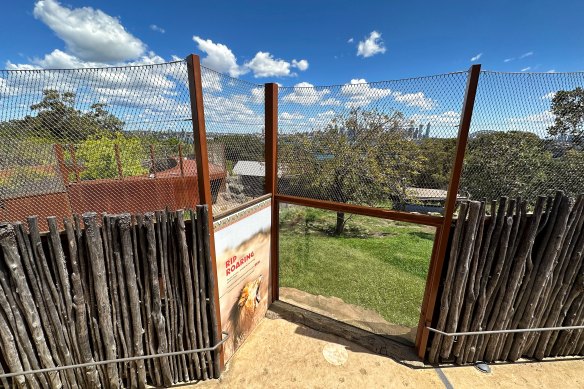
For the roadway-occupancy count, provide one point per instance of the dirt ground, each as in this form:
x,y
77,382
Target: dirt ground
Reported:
x,y
281,354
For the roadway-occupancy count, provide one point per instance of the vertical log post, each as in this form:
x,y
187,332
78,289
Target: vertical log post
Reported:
x,y
118,161
203,177
443,232
60,155
271,158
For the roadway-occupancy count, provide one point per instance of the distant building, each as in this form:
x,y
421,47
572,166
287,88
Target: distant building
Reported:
x,y
252,174
426,200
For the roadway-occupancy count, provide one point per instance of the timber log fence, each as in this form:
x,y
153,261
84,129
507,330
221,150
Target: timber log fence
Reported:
x,y
108,287
512,270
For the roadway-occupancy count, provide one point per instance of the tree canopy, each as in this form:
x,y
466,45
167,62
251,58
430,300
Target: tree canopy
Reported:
x,y
56,118
363,157
568,108
511,164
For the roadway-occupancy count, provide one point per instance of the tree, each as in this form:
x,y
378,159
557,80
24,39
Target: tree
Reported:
x,y
97,155
568,108
363,157
565,173
511,164
439,152
56,118
241,147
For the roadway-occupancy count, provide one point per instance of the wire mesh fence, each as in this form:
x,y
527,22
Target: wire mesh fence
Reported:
x,y
386,144
234,120
526,136
110,140
120,140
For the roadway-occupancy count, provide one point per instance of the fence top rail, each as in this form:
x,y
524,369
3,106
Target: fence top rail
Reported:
x,y
115,67
205,68
409,217
550,73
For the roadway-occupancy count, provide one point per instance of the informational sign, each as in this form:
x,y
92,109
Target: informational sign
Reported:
x,y
242,246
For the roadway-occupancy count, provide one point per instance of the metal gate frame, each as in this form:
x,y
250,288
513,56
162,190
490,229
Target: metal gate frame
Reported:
x,y
441,223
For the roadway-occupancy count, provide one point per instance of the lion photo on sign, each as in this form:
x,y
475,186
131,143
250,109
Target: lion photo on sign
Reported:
x,y
243,314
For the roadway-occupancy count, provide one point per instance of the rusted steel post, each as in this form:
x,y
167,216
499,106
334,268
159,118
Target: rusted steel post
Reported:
x,y
271,181
180,160
443,232
119,161
60,156
203,176
74,162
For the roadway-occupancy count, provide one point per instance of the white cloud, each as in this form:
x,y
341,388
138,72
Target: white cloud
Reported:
x,y
301,65
526,69
544,118
58,59
226,109
219,57
414,100
371,46
291,116
524,55
258,95
156,28
476,57
61,60
263,64
351,40
322,118
444,119
211,81
549,96
330,101
90,34
305,93
5,89
360,94
551,71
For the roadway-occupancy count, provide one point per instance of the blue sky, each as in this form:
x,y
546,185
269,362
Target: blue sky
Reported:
x,y
419,37
301,44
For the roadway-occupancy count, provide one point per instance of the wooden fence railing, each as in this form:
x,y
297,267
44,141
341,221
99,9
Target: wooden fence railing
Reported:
x,y
118,286
513,270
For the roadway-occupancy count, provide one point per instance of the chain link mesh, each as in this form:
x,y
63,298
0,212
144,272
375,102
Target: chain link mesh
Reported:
x,y
386,144
234,119
526,136
110,140
120,139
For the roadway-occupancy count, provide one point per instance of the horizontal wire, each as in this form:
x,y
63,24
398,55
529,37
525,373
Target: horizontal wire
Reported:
x,y
118,360
510,331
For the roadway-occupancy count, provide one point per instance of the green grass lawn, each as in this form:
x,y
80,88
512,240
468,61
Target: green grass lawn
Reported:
x,y
377,264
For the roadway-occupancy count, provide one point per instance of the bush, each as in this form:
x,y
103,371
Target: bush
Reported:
x,y
97,155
